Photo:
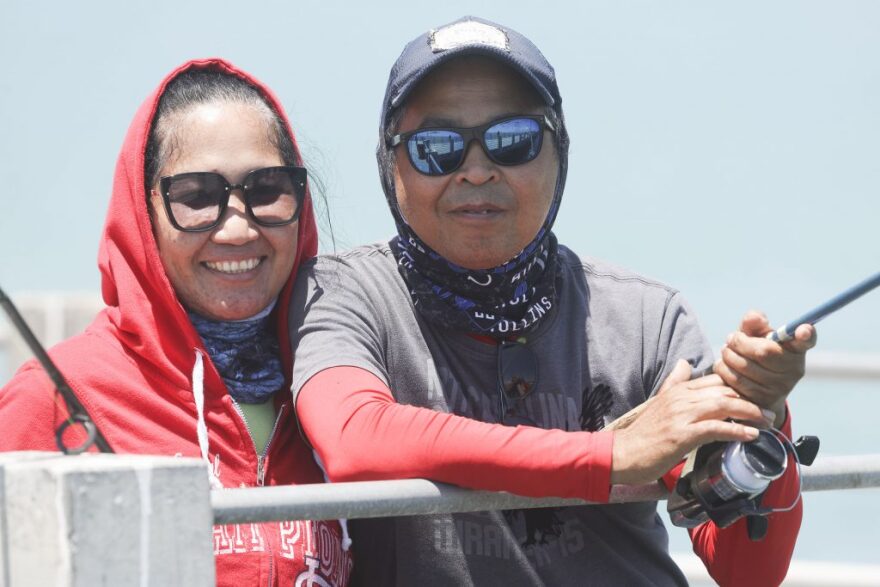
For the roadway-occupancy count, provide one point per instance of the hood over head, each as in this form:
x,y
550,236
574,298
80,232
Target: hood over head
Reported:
x,y
142,303
468,35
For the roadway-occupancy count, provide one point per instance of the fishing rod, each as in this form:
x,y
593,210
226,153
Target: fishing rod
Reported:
x,y
786,332
725,481
77,412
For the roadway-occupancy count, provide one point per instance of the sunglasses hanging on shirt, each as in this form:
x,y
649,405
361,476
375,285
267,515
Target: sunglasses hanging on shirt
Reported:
x,y
517,378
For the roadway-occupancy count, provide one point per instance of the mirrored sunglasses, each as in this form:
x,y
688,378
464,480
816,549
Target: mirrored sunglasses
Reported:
x,y
507,141
196,201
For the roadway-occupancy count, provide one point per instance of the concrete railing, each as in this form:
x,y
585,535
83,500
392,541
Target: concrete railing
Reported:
x,y
53,317
126,520
837,365
104,520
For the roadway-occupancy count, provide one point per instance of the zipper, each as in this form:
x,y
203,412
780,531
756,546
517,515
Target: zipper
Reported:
x,y
261,469
261,457
271,570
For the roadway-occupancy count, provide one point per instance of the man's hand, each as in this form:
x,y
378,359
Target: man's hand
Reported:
x,y
761,370
683,415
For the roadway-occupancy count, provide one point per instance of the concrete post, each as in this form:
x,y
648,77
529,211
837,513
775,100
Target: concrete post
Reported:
x,y
104,520
5,459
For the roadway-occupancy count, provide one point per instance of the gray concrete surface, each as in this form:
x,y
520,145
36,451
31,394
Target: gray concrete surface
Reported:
x,y
104,520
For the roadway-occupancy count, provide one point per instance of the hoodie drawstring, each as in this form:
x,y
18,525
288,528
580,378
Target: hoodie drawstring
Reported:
x,y
343,523
198,383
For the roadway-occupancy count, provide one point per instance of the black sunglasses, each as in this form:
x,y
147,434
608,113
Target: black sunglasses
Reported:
x,y
517,378
507,141
196,201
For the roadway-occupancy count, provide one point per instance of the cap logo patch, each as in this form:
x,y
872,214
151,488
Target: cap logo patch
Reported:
x,y
468,32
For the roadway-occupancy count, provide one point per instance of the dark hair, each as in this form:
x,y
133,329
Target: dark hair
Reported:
x,y
196,87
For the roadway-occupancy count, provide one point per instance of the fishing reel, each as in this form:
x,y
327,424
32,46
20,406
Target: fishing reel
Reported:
x,y
724,481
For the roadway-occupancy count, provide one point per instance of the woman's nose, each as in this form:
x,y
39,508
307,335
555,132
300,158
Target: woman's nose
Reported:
x,y
236,227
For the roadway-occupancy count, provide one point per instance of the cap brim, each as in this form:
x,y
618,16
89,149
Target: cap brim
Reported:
x,y
500,54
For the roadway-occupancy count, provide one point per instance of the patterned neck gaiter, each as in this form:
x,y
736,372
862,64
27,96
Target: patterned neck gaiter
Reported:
x,y
503,301
510,299
246,354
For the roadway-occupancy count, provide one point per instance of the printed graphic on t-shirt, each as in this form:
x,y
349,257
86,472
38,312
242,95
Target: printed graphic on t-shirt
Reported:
x,y
481,535
532,528
546,407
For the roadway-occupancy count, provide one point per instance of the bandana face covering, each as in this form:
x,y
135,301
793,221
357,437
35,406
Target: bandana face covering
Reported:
x,y
246,354
509,299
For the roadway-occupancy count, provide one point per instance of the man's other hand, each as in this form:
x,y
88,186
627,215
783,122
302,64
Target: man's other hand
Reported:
x,y
761,370
683,415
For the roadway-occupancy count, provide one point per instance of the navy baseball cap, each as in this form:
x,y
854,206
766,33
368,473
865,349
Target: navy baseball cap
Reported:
x,y
468,36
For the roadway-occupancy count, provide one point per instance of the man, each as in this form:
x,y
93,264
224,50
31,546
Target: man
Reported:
x,y
473,349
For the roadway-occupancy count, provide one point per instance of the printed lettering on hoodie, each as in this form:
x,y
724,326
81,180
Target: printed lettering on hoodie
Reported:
x,y
314,543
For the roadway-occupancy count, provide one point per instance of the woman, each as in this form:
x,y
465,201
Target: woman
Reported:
x,y
209,219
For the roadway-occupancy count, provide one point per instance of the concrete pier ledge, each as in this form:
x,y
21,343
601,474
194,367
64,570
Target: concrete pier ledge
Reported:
x,y
104,520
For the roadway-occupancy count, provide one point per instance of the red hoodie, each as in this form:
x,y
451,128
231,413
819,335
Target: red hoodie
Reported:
x,y
134,370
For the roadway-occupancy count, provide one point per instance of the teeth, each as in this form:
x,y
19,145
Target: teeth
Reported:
x,y
233,266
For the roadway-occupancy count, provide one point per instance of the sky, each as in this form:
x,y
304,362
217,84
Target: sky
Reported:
x,y
728,149
731,150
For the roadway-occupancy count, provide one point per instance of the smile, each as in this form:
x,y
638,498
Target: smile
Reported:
x,y
233,267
